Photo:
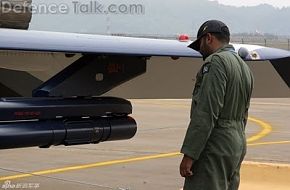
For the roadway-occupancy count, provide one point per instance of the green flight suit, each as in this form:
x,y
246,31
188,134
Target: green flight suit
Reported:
x,y
215,138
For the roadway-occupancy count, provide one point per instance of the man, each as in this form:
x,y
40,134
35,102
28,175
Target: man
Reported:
x,y
215,144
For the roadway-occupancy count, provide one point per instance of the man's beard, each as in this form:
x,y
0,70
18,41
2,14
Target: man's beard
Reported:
x,y
204,55
206,52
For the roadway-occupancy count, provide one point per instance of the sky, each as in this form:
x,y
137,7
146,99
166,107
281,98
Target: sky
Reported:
x,y
275,3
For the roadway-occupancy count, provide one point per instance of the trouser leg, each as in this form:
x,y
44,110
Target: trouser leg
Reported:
x,y
235,179
209,173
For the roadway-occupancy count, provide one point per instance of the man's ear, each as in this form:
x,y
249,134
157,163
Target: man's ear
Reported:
x,y
209,37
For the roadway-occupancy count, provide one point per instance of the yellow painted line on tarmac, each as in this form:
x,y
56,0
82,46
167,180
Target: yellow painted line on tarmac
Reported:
x,y
114,162
266,129
269,143
86,166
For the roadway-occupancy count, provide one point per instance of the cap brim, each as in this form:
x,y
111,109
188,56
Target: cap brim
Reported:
x,y
195,45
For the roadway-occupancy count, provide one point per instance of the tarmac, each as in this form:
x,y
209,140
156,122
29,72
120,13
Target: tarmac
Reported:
x,y
150,161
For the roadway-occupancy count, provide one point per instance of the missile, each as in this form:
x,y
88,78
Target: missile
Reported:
x,y
44,122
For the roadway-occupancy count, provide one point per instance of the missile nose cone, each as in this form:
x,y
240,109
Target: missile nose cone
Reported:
x,y
243,52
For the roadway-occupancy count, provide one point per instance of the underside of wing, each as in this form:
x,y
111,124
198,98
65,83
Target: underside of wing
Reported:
x,y
82,44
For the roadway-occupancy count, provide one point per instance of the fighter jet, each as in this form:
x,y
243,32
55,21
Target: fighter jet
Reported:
x,y
53,84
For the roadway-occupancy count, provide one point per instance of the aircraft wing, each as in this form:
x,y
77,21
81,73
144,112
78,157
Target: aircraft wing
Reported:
x,y
96,44
100,44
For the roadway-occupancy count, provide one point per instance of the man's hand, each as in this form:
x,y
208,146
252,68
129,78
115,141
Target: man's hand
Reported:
x,y
185,166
